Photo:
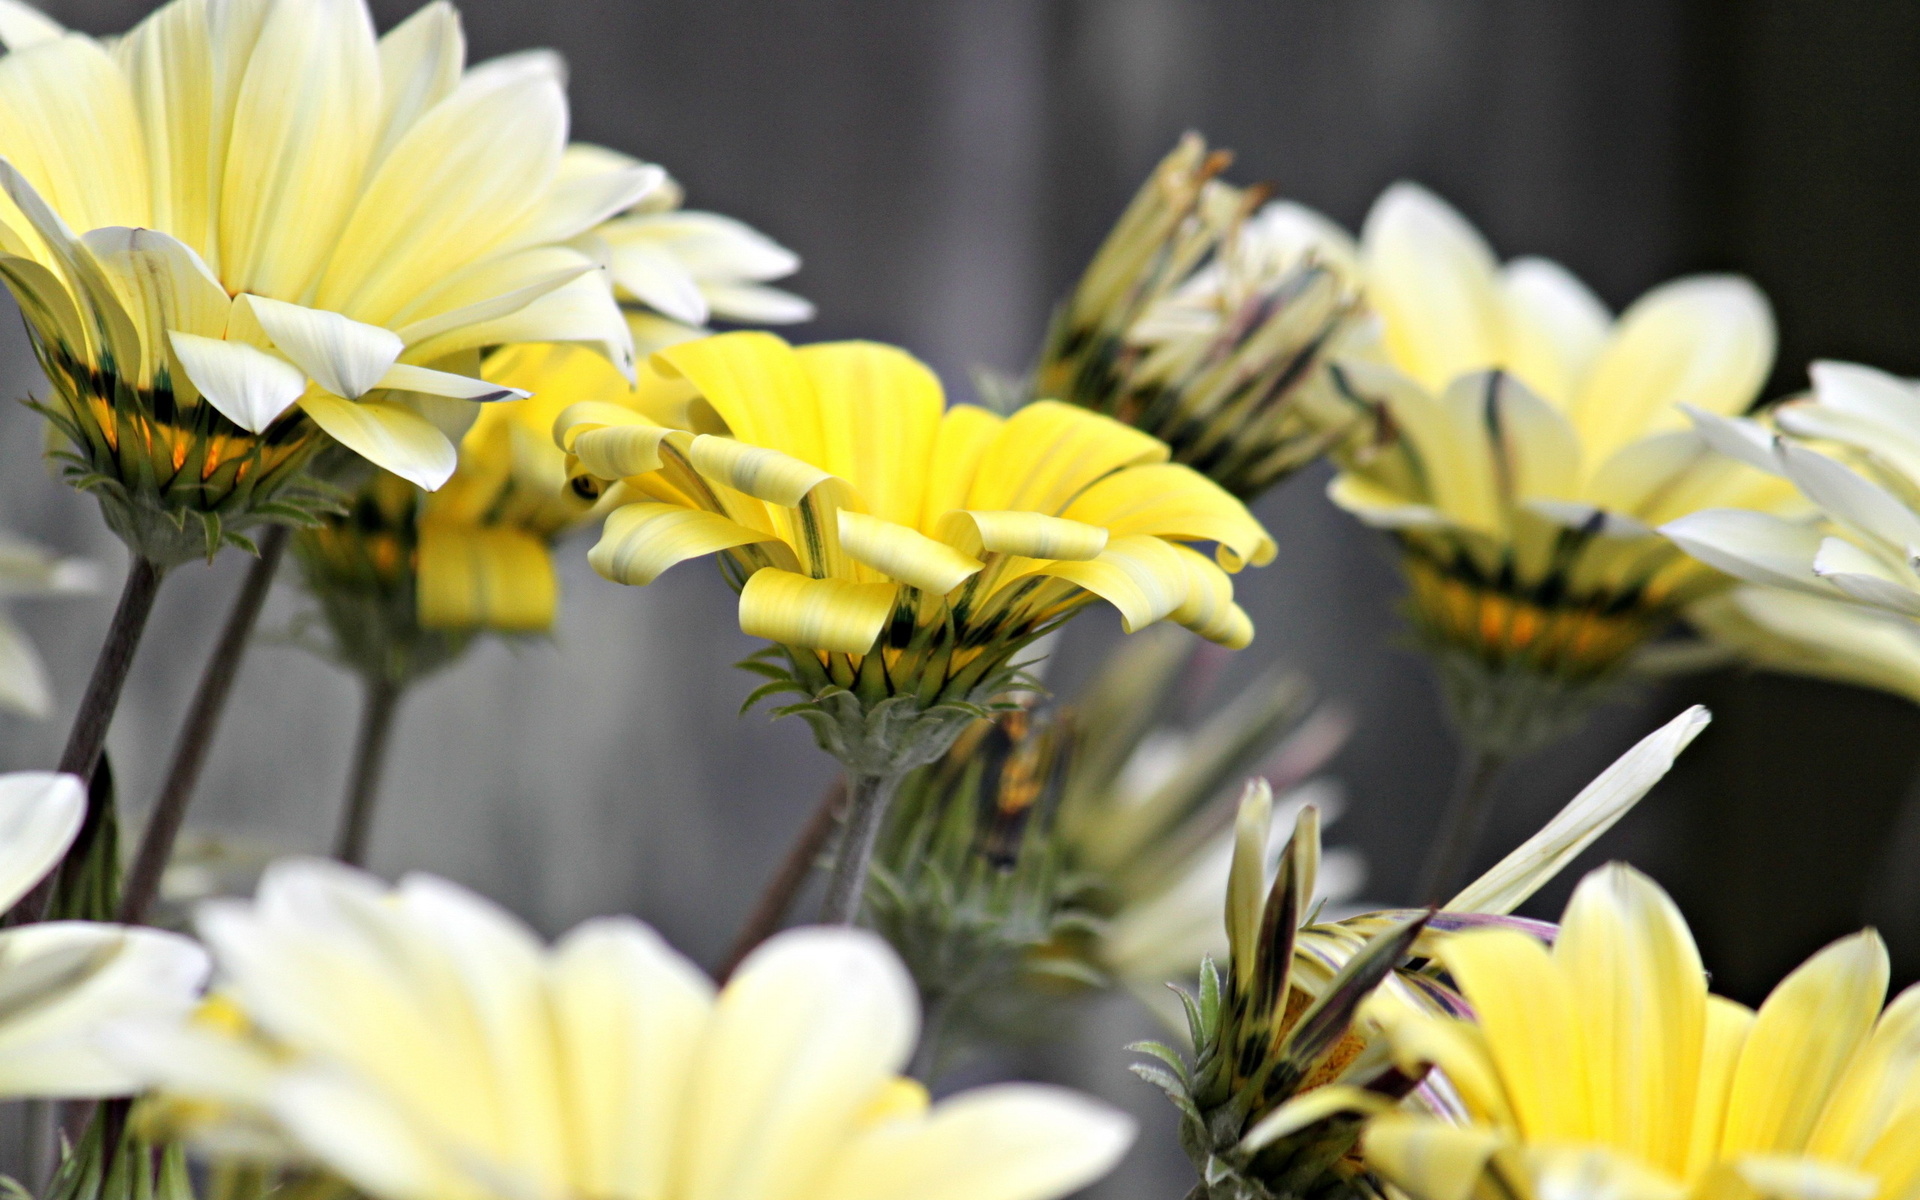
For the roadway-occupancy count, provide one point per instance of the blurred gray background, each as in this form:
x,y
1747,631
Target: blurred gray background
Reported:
x,y
945,168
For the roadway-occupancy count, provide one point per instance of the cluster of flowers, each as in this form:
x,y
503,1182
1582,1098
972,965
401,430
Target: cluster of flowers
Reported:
x,y
343,293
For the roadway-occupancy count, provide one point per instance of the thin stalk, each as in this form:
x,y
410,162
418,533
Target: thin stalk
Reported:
x,y
1462,826
867,803
196,736
777,899
369,756
89,732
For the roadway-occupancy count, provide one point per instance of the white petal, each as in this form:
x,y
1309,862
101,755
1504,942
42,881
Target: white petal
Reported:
x,y
657,278
1867,392
752,304
1588,815
1736,437
22,25
711,246
344,356
1555,326
420,61
578,204
360,1133
1865,578
408,378
1433,280
582,310
1850,498
40,812
250,387
1755,546
388,436
24,686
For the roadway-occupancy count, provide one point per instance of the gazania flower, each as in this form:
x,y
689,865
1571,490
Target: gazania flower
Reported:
x,y
1602,1066
1838,594
1528,443
1205,319
899,553
423,1044
1282,1077
232,234
66,980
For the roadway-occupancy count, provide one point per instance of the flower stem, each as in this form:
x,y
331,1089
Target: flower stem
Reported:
x,y
196,736
369,755
775,902
1461,827
867,800
89,732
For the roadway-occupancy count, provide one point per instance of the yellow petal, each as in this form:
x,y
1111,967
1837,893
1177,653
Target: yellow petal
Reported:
x,y
1802,1041
168,61
1311,1107
1209,609
1048,452
386,435
1141,576
880,414
1641,992
1172,500
480,577
1044,1142
1705,341
965,433
756,383
617,451
420,61
1532,1029
770,475
1456,1047
1555,327
899,1099
820,614
68,124
303,128
1726,1032
904,554
640,541
1430,1159
631,1015
1431,278
1024,534
1881,1080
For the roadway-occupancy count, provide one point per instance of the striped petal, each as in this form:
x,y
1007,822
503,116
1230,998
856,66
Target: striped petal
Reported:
x,y
641,541
1025,534
1172,500
820,614
1141,576
904,554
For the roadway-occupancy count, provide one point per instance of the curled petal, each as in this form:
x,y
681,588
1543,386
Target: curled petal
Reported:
x,y
1209,609
761,473
640,541
1026,534
1172,500
1141,576
907,555
820,614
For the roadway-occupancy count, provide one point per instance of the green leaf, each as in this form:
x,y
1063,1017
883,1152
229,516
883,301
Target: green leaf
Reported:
x,y
1159,1078
766,690
1165,1053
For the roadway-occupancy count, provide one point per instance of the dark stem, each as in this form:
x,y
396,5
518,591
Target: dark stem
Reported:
x,y
777,900
363,786
89,732
933,1026
196,736
866,805
1461,827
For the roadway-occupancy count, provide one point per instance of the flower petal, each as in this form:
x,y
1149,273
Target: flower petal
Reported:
x,y
250,387
386,435
344,356
485,577
820,614
1432,279
1755,546
904,554
641,541
408,378
40,814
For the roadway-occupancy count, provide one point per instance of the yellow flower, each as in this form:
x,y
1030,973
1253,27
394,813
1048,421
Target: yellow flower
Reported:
x,y
900,551
1602,1067
423,1044
67,981
1205,320
1528,443
1281,1076
1837,595
238,227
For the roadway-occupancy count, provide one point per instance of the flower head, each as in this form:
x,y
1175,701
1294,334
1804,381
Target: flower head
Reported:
x,y
67,980
898,551
424,1045
1282,1076
237,229
1837,594
1205,319
1527,444
1603,1067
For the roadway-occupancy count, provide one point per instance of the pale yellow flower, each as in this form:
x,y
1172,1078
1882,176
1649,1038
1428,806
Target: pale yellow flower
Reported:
x,y
241,225
1529,442
1602,1067
425,1045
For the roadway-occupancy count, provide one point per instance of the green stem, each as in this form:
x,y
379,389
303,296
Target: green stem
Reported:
x,y
868,798
777,900
196,736
89,733
369,756
1463,824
